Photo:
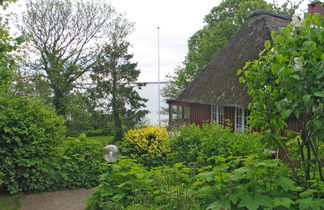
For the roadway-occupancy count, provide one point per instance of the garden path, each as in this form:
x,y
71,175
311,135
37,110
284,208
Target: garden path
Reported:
x,y
57,200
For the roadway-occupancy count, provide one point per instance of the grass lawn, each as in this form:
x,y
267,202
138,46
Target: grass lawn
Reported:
x,y
8,202
104,140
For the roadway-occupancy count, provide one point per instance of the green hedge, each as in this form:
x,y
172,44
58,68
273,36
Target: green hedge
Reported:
x,y
79,164
29,134
193,143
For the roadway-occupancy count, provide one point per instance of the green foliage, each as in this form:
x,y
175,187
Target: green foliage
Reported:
x,y
79,163
64,38
103,140
247,182
29,134
10,202
287,81
7,59
33,155
148,144
1,178
117,94
226,181
194,143
83,117
221,24
129,185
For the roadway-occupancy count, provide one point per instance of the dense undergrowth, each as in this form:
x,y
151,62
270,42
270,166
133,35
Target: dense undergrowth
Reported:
x,y
195,167
206,167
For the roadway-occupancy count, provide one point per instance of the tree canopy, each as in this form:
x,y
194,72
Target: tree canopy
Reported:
x,y
112,76
65,38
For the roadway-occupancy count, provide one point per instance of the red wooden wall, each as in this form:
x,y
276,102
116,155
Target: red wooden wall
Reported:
x,y
200,113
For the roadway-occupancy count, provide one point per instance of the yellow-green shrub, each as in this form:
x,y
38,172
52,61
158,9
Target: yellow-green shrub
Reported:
x,y
148,144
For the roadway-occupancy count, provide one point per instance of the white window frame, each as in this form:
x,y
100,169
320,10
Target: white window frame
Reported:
x,y
215,114
243,127
240,121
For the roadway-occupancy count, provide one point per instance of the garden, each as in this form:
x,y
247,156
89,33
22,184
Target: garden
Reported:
x,y
45,146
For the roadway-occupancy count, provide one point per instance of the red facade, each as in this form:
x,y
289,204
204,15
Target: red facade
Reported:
x,y
201,113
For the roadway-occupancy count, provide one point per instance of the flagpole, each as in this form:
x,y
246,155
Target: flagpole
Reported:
x,y
159,93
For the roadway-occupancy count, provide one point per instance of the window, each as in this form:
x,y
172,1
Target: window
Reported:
x,y
186,113
241,116
176,112
239,119
218,114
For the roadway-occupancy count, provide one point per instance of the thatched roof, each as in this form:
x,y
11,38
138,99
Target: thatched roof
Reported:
x,y
218,83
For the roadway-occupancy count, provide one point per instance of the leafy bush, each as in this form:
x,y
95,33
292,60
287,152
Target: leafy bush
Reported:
x,y
148,144
243,182
79,164
1,178
193,143
128,184
253,183
29,134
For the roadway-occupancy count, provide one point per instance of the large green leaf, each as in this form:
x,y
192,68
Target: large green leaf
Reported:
x,y
285,202
254,202
306,99
319,94
286,183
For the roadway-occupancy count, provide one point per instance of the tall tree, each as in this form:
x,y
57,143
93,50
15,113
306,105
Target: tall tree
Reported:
x,y
113,75
222,23
65,39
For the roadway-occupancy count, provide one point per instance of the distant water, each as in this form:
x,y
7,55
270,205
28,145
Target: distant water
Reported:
x,y
150,92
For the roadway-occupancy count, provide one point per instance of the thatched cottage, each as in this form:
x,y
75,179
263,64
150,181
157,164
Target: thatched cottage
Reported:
x,y
217,95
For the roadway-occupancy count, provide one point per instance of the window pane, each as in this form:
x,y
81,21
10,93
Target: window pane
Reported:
x,y
186,113
174,111
220,115
239,119
179,114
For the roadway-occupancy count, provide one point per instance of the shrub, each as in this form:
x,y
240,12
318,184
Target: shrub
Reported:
x,y
29,136
79,164
148,144
194,143
129,185
253,183
1,178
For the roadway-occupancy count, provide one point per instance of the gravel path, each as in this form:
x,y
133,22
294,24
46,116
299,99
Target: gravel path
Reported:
x,y
58,200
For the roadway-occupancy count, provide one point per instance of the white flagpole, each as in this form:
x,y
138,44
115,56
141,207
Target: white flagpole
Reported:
x,y
159,93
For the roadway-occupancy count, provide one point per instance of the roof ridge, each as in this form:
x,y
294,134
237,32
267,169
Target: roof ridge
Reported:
x,y
264,12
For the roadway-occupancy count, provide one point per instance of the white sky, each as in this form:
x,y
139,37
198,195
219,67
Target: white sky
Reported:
x,y
177,19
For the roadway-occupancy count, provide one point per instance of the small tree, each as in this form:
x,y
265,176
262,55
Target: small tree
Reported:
x,y
288,81
113,75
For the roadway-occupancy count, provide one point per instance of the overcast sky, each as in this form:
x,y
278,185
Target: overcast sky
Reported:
x,y
177,19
